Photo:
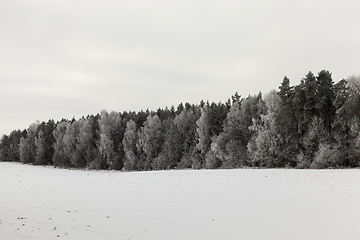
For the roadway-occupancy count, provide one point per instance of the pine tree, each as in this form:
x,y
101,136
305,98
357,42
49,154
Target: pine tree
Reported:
x,y
299,101
288,119
287,112
217,114
311,98
49,140
9,146
325,97
5,148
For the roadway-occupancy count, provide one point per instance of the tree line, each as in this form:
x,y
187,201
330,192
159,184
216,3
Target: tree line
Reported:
x,y
314,124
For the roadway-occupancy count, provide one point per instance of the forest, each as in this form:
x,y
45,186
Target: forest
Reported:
x,y
314,124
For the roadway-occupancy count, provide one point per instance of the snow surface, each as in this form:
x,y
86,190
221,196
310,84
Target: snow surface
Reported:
x,y
48,203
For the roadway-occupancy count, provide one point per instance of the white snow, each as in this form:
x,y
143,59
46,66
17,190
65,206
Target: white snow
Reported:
x,y
47,203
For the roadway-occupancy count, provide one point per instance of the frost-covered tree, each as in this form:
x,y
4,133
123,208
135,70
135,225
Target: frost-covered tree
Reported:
x,y
347,104
203,132
27,147
231,145
264,147
171,151
353,152
353,102
179,141
150,140
86,147
186,140
110,145
70,143
60,157
129,143
40,148
327,156
315,135
313,124
235,136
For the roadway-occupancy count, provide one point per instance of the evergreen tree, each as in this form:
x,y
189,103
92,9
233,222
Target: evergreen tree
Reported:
x,y
9,146
288,120
186,128
236,98
171,151
180,108
49,140
5,148
325,97
299,101
286,95
232,140
165,114
217,114
311,98
140,118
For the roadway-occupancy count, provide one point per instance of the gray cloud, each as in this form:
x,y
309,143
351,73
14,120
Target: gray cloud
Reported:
x,y
73,58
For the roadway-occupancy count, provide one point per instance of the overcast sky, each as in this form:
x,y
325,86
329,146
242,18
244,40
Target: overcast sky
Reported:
x,y
60,59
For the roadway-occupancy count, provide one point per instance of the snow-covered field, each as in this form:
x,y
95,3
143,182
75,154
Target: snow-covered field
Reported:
x,y
48,203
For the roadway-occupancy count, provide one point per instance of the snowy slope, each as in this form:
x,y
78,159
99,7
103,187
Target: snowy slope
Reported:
x,y
48,203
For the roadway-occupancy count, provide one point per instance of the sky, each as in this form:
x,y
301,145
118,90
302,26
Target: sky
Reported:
x,y
70,58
